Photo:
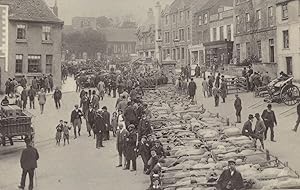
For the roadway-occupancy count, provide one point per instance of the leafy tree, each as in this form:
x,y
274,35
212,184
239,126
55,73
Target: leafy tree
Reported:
x,y
90,41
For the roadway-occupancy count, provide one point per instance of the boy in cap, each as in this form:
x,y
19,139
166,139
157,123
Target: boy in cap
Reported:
x,y
230,179
66,134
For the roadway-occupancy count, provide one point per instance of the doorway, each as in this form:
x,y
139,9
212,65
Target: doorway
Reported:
x,y
289,65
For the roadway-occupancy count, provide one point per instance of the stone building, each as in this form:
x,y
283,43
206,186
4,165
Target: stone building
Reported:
x,y
175,35
255,31
212,32
288,37
146,37
34,41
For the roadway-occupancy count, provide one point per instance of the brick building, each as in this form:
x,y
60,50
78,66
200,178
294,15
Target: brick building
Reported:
x,y
33,43
255,30
288,37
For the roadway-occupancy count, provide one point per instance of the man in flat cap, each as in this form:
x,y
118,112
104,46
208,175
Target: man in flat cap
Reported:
x,y
230,179
259,130
28,162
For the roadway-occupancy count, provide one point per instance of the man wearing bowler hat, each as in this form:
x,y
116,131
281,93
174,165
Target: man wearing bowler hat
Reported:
x,y
270,121
230,179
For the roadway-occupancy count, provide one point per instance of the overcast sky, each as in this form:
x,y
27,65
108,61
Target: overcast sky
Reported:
x,y
111,8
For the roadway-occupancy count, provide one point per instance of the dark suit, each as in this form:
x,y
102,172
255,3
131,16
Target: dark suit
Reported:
x,y
247,129
227,181
28,162
106,118
269,120
99,128
131,150
130,116
90,120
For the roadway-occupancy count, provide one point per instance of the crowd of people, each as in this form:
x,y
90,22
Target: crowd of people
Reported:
x,y
129,124
21,91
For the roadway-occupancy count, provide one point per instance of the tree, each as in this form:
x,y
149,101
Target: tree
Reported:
x,y
89,40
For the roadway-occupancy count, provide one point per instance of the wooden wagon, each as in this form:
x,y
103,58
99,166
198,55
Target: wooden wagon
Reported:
x,y
15,123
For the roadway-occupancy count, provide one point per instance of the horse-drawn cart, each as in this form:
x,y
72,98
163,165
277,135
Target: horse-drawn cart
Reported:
x,y
280,91
15,123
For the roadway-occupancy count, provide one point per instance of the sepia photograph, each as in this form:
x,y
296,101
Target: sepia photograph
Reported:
x,y
149,94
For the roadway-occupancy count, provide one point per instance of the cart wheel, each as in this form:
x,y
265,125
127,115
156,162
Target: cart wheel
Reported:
x,y
289,95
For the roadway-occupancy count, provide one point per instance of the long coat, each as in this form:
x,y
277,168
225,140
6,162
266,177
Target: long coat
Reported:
x,y
106,118
131,145
130,114
192,88
223,89
29,158
42,98
99,126
259,129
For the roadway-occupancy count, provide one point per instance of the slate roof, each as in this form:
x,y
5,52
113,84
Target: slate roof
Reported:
x,y
120,35
30,10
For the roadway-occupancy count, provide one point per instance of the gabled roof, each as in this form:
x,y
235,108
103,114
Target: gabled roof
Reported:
x,y
120,35
30,10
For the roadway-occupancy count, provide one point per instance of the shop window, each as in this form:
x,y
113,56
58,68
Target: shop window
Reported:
x,y
34,64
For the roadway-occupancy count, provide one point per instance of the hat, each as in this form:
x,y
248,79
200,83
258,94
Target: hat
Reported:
x,y
250,116
131,126
231,161
27,140
104,108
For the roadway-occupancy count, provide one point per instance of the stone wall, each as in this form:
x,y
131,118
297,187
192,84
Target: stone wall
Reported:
x,y
261,67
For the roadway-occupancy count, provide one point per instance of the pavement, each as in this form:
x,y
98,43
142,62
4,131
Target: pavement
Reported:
x,y
76,166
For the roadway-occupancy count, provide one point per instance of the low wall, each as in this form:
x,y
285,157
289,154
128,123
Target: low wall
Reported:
x,y
261,67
